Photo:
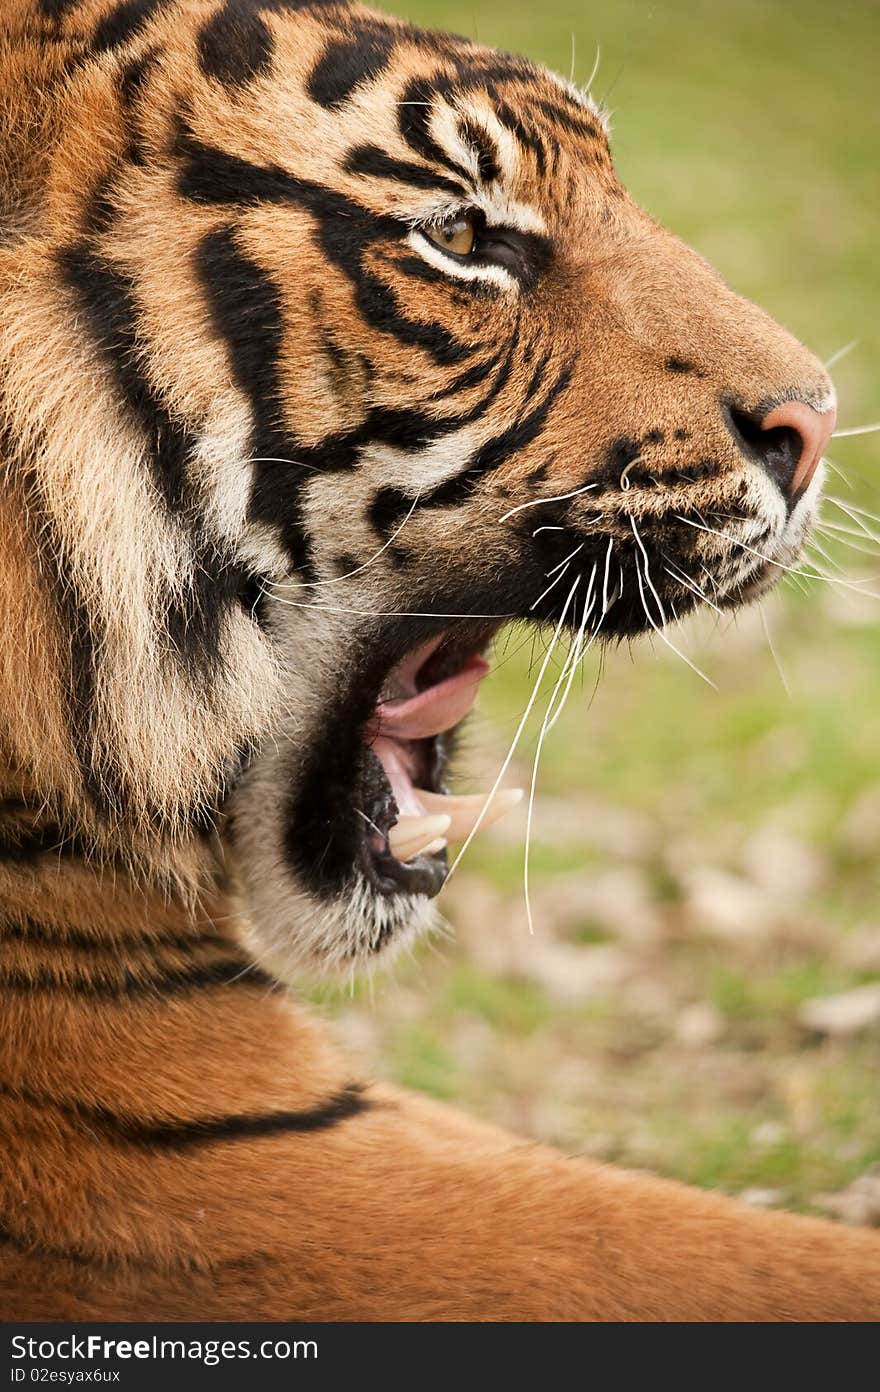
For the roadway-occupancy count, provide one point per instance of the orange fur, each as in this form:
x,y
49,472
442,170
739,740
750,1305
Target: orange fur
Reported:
x,y
181,1138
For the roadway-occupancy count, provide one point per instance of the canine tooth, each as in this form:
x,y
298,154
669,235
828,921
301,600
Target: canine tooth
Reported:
x,y
411,835
464,811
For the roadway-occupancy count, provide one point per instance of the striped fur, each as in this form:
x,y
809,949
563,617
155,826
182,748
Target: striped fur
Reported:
x,y
234,366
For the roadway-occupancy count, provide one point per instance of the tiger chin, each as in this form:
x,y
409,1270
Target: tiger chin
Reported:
x,y
329,346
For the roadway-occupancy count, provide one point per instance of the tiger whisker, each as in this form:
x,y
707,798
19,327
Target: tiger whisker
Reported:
x,y
830,464
765,624
385,613
841,353
583,649
522,724
624,477
855,515
659,631
826,555
693,587
551,586
337,579
537,502
605,604
568,669
856,430
571,555
844,535
594,71
799,583
791,570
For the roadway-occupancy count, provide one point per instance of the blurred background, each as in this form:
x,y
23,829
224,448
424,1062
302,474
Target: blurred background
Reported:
x,y
701,994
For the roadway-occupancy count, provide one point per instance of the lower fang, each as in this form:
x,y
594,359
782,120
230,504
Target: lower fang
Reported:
x,y
411,836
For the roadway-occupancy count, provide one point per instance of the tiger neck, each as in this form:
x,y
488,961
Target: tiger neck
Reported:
x,y
132,1001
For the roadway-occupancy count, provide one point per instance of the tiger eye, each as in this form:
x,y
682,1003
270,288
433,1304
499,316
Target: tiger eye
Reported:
x,y
457,234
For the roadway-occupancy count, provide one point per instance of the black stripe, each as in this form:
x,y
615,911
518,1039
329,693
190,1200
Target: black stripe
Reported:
x,y
124,22
575,121
245,305
409,430
22,844
99,940
488,159
235,45
135,74
375,162
414,268
84,632
29,1245
471,377
390,505
414,121
496,452
56,9
128,985
111,313
528,138
347,231
194,612
187,1134
346,62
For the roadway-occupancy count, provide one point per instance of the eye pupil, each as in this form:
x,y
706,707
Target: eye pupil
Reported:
x,y
456,235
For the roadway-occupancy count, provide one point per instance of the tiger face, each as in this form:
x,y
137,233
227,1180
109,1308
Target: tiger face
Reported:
x,y
359,350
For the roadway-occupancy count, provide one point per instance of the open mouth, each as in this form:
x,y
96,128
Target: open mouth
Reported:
x,y
408,813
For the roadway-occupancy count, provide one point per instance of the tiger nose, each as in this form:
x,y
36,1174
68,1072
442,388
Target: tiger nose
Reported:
x,y
788,441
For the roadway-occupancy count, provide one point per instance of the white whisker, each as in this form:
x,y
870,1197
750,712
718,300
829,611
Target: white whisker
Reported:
x,y
582,650
694,588
765,623
843,536
841,353
815,544
567,673
659,631
856,430
558,498
592,78
522,724
855,515
552,585
384,613
605,604
570,557
337,579
791,570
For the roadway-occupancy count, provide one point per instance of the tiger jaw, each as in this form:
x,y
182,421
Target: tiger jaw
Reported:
x,y
343,845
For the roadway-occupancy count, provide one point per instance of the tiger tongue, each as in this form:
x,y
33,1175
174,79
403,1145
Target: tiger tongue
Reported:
x,y
427,820
435,709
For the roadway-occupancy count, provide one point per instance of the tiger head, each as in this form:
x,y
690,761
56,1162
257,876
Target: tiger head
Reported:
x,y
330,345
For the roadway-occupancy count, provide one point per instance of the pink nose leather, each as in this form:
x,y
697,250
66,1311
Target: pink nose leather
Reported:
x,y
815,431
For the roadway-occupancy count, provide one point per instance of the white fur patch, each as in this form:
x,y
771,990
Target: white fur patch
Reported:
x,y
459,270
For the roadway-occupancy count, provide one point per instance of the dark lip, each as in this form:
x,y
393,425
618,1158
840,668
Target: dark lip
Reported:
x,y
389,876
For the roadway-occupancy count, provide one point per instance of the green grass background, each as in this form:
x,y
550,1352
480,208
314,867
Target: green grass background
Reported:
x,y
752,130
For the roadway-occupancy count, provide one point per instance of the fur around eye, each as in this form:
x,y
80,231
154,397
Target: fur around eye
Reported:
x,y
456,234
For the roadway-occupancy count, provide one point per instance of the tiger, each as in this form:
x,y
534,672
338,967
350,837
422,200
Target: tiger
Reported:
x,y
329,346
